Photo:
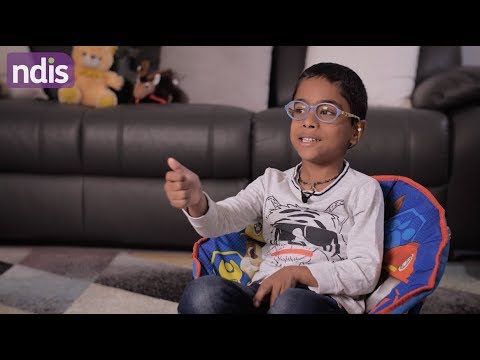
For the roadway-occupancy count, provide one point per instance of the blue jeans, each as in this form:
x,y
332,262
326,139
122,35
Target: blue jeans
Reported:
x,y
212,294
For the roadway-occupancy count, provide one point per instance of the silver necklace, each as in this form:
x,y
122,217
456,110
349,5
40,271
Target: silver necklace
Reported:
x,y
313,184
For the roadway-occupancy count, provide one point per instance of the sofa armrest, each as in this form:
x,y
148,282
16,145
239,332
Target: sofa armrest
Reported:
x,y
448,90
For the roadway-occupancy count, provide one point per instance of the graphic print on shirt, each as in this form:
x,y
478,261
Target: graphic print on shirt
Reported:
x,y
298,233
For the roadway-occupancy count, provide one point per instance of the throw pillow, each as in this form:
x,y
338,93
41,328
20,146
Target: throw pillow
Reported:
x,y
30,93
448,90
388,72
225,75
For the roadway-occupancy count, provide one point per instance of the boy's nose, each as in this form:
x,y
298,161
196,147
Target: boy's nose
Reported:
x,y
310,121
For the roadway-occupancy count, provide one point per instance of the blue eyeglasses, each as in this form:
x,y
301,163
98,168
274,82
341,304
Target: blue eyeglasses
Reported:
x,y
324,112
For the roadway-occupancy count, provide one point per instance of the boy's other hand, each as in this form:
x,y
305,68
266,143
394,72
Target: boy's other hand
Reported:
x,y
275,285
184,189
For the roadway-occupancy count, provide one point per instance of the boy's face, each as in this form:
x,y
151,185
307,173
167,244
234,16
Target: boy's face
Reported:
x,y
330,140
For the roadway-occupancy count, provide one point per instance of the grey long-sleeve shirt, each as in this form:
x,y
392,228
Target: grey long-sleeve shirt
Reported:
x,y
337,234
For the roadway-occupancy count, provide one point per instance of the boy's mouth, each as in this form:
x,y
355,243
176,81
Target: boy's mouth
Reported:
x,y
308,139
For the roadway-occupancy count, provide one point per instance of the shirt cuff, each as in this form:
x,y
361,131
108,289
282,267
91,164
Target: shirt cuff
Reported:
x,y
210,211
323,273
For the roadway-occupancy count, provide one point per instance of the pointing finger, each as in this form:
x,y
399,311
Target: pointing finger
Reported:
x,y
260,295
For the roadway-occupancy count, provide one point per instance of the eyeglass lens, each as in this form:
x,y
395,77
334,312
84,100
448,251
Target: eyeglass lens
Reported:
x,y
325,112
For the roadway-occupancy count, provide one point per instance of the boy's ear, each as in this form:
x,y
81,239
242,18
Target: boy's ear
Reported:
x,y
361,127
359,130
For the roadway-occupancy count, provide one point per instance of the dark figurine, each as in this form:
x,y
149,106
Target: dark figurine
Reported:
x,y
159,86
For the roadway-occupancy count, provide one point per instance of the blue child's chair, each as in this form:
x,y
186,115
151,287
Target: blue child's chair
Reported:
x,y
415,256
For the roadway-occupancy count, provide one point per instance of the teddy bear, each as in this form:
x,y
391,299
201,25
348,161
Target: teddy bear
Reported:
x,y
93,78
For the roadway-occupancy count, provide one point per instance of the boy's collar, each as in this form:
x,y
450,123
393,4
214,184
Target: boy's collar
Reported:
x,y
297,168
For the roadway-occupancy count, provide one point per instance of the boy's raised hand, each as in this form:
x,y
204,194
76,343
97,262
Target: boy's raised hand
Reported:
x,y
184,189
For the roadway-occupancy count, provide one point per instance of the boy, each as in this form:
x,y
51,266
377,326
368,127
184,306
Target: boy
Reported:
x,y
322,220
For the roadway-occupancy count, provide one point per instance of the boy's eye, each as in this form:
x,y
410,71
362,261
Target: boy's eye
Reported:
x,y
299,108
325,110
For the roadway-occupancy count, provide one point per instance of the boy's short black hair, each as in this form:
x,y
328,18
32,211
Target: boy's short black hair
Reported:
x,y
350,85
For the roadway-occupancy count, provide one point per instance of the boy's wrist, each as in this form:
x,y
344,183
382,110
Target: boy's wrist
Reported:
x,y
303,275
200,208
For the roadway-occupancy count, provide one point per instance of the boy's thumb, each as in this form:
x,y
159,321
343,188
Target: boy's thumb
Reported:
x,y
174,164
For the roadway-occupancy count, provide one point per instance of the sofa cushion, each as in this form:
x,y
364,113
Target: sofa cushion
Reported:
x,y
40,137
39,207
388,72
136,140
225,75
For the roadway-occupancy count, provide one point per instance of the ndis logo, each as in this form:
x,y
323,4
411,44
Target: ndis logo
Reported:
x,y
40,70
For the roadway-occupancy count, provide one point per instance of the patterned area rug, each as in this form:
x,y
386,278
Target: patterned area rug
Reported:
x,y
83,280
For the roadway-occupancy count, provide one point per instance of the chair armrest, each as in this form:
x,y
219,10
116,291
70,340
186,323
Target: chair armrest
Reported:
x,y
448,90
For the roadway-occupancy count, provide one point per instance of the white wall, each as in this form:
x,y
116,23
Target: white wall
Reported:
x,y
471,55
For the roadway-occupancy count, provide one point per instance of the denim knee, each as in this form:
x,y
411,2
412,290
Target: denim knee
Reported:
x,y
200,294
304,301
287,302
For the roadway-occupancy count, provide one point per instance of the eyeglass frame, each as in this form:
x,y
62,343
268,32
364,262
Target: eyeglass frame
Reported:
x,y
314,107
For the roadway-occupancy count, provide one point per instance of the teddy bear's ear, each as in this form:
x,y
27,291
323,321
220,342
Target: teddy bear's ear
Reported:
x,y
114,49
